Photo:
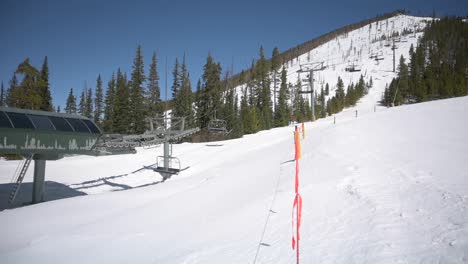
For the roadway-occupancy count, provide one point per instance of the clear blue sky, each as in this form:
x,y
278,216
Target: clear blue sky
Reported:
x,y
84,38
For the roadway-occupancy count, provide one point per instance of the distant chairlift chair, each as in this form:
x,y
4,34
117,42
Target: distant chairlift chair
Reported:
x,y
353,68
218,126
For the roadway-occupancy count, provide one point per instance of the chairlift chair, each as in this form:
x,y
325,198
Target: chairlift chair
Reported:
x,y
353,68
174,165
218,126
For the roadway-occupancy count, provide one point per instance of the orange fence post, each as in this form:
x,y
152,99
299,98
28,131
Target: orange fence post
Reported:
x,y
297,205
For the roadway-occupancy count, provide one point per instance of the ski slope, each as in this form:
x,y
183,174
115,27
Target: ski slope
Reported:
x,y
358,47
387,187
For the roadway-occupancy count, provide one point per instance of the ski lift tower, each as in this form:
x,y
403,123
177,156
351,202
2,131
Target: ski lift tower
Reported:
x,y
309,69
170,129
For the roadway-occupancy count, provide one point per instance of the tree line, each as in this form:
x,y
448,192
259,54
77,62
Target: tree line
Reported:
x,y
437,68
126,104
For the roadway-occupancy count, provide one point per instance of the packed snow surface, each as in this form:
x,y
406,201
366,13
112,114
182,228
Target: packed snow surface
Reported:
x,y
386,187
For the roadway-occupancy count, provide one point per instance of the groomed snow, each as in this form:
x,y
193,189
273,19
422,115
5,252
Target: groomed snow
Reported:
x,y
387,187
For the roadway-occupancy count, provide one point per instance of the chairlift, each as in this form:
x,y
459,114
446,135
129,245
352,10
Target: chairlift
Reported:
x,y
173,168
218,126
352,68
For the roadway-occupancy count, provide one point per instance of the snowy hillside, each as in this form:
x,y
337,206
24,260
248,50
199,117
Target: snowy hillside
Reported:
x,y
365,49
387,187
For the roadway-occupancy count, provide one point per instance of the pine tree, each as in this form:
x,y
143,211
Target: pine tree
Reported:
x,y
403,86
70,107
275,60
10,101
2,96
121,112
176,79
198,104
298,103
27,94
323,104
109,105
58,109
82,104
282,111
340,95
211,93
262,86
89,104
237,128
45,88
183,100
155,107
98,102
137,100
248,114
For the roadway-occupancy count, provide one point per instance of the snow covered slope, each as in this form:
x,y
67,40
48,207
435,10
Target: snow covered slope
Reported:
x,y
387,187
360,48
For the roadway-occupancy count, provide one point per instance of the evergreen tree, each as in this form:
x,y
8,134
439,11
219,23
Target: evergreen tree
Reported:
x,y
198,104
89,104
98,102
248,115
137,100
45,89
109,105
70,107
323,104
2,96
10,100
176,79
237,126
155,107
184,99
262,86
27,94
282,111
299,107
340,95
58,109
351,96
82,104
275,60
121,112
403,86
211,94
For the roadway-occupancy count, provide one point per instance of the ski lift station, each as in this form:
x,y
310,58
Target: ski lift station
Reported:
x,y
41,136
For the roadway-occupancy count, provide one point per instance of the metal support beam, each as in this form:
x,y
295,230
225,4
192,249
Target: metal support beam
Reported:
x,y
166,155
312,95
39,179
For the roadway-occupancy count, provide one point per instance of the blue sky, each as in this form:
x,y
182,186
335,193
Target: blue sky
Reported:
x,y
85,38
